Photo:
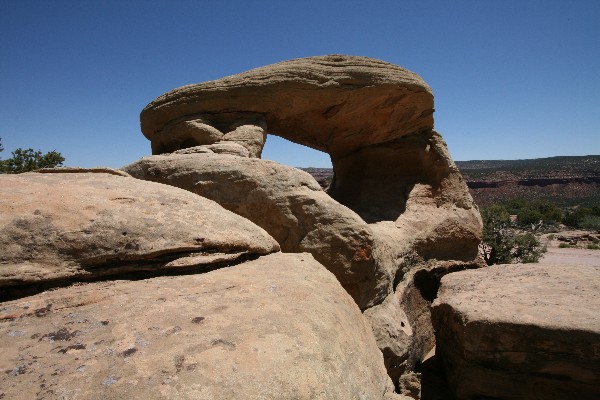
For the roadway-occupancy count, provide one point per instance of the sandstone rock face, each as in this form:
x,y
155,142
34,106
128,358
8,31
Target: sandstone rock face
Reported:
x,y
245,129
415,184
521,331
401,190
402,323
83,225
279,327
287,203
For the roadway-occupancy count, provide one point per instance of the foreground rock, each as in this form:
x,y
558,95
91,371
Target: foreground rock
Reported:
x,y
56,227
280,327
402,323
288,204
521,332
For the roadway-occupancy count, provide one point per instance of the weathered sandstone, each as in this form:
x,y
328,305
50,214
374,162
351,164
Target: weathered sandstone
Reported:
x,y
335,103
402,323
84,225
401,190
525,331
287,203
279,327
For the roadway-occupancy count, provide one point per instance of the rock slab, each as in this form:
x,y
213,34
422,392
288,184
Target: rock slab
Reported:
x,y
279,327
288,204
333,103
87,224
524,331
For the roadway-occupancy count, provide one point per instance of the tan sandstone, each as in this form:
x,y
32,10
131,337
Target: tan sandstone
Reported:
x,y
523,331
84,225
395,191
287,203
280,327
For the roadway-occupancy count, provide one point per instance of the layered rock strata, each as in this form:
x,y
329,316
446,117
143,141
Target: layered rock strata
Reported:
x,y
524,331
279,327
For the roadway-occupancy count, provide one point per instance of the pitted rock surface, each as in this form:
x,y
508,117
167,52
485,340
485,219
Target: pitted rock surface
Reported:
x,y
83,225
279,327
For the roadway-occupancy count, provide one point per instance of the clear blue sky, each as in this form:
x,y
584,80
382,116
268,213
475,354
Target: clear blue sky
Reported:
x,y
512,78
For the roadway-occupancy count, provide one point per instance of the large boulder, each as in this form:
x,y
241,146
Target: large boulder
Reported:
x,y
373,118
279,327
81,224
524,331
287,203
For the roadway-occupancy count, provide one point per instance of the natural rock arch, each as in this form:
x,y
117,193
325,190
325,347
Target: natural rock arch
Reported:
x,y
397,196
366,114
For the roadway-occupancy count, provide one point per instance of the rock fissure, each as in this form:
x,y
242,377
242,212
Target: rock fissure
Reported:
x,y
126,271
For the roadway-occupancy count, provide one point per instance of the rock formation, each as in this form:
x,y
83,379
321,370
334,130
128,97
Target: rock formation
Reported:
x,y
525,331
288,204
279,327
396,192
396,218
82,224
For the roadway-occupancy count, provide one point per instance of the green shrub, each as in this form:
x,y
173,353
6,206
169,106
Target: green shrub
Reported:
x,y
531,212
584,218
590,222
502,244
593,246
29,160
565,246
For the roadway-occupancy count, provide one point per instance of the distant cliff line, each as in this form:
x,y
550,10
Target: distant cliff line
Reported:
x,y
568,181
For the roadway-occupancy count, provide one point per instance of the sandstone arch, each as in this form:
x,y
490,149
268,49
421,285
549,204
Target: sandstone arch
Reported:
x,y
396,190
373,118
346,106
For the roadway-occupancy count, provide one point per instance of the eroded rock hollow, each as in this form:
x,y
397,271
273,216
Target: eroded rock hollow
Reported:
x,y
397,208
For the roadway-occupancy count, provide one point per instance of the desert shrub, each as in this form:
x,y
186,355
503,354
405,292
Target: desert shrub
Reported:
x,y
532,212
29,160
502,244
584,218
589,222
564,246
593,246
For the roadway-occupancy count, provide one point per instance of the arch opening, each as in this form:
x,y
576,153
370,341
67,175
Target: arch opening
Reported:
x,y
294,154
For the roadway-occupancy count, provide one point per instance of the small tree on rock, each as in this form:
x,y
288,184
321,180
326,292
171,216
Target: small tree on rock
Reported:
x,y
29,160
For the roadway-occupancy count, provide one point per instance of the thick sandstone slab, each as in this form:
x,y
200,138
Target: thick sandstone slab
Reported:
x,y
83,225
287,203
333,103
521,331
280,327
